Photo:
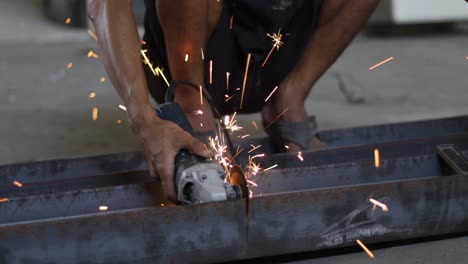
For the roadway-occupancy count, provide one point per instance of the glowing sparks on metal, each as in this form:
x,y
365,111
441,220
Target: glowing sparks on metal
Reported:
x,y
95,114
3,200
103,208
276,118
369,253
277,43
245,79
254,147
271,93
272,167
123,107
230,123
17,184
158,71
380,63
376,158
255,125
92,54
379,204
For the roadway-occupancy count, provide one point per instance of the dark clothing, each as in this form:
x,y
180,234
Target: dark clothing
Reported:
x,y
228,49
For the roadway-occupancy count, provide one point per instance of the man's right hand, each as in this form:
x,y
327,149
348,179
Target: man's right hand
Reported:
x,y
161,141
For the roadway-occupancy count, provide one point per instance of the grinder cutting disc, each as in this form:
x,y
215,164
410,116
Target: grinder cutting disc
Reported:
x,y
236,177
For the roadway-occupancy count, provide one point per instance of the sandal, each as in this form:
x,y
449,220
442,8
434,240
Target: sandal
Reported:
x,y
300,133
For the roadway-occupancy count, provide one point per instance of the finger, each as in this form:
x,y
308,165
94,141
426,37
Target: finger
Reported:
x,y
165,166
196,146
151,166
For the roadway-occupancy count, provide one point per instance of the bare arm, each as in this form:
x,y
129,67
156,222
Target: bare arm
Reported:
x,y
119,41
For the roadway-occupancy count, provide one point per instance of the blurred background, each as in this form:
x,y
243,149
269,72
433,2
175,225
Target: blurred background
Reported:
x,y
50,86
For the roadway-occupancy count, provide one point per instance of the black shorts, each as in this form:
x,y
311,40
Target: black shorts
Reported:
x,y
228,47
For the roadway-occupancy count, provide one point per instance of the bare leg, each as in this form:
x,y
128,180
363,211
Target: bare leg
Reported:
x,y
339,22
187,25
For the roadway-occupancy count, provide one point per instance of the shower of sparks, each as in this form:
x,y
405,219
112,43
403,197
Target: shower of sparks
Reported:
x,y
299,156
376,158
119,121
276,118
230,123
230,22
365,248
245,79
219,150
92,95
3,200
92,35
201,95
271,93
92,54
69,65
252,167
17,184
272,167
198,112
103,208
380,63
227,80
379,204
254,147
103,79
186,57
123,107
95,114
277,43
68,20
255,125
158,71
211,71
202,54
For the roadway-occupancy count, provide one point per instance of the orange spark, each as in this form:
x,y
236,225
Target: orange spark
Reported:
x,y
3,200
276,118
92,35
17,184
376,158
380,63
186,57
211,71
157,71
227,80
365,248
230,22
92,95
103,208
271,93
69,65
277,43
92,54
68,20
299,156
103,79
119,121
245,79
95,113
202,54
379,204
201,95
229,98
254,148
272,167
255,125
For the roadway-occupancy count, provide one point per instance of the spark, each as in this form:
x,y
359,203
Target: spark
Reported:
x,y
376,158
201,95
299,156
92,54
379,204
380,63
158,71
286,146
230,22
202,54
68,20
92,95
258,156
255,125
119,121
92,35
277,43
201,124
271,93
245,79
17,184
219,149
227,80
231,123
3,200
103,79
103,208
365,248
272,167
238,152
186,57
69,65
162,204
244,136
276,118
211,71
252,167
252,183
123,107
198,112
230,97
143,42
95,113
254,147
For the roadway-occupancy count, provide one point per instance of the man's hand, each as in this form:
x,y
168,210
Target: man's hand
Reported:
x,y
161,141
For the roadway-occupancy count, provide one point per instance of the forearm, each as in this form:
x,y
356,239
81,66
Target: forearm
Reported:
x,y
120,45
339,22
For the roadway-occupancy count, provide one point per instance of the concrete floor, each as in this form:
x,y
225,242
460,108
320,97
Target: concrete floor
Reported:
x,y
46,113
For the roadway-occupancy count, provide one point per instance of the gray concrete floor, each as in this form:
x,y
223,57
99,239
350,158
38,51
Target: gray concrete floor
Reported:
x,y
45,111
